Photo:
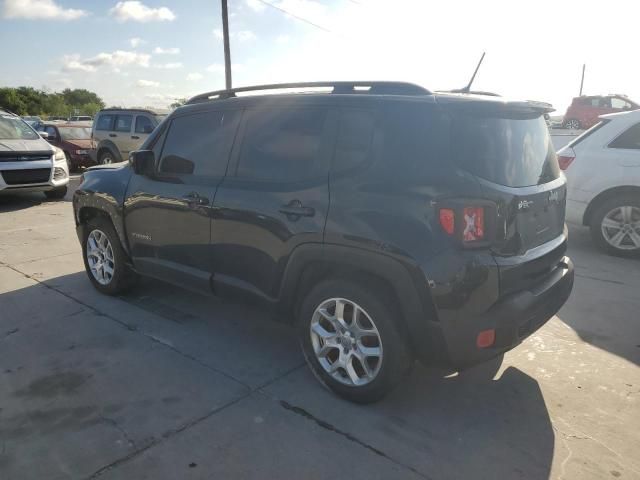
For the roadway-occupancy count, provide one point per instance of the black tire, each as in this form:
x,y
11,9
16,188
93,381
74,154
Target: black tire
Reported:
x,y
57,193
69,163
573,124
396,361
106,157
596,225
123,277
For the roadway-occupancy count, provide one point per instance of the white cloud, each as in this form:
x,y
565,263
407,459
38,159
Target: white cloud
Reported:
x,y
217,32
39,10
135,42
282,39
119,58
166,51
255,5
169,66
194,77
147,83
245,35
139,12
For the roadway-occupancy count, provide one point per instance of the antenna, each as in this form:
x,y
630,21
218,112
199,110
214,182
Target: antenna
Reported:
x,y
467,89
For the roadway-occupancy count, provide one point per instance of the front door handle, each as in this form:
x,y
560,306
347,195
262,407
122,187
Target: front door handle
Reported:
x,y
113,135
135,137
294,209
194,199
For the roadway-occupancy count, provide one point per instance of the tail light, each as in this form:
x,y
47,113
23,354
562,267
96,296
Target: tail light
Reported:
x,y
471,222
564,161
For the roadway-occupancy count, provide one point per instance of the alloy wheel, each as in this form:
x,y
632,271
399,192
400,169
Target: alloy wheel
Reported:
x,y
100,257
346,342
621,227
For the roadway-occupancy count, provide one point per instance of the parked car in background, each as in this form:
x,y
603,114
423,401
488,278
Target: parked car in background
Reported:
x,y
584,111
28,162
116,132
34,122
74,140
387,223
55,118
603,176
81,118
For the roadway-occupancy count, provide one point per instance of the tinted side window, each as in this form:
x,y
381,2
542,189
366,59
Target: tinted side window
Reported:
x,y
123,123
629,139
355,134
105,122
143,124
199,144
282,144
51,131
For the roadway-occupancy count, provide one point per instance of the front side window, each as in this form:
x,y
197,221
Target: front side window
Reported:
x,y
12,128
105,122
282,144
123,123
143,124
630,139
51,131
199,144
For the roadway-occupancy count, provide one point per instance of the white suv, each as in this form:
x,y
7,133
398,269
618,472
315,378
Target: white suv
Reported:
x,y
29,163
603,179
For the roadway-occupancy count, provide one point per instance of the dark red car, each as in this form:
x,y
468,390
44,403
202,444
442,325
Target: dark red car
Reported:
x,y
584,111
74,140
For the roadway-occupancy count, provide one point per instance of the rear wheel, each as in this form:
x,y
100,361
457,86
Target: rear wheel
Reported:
x,y
57,193
104,259
573,124
615,226
351,342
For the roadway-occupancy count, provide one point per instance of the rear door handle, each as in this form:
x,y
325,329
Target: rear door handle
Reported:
x,y
135,137
113,135
194,199
295,209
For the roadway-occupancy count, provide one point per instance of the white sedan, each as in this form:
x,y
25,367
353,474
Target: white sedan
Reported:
x,y
603,179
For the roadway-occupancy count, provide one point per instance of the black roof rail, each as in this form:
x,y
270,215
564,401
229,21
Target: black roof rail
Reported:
x,y
145,110
470,92
340,87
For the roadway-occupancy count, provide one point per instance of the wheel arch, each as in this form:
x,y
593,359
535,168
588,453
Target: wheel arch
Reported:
x,y
108,145
96,209
605,196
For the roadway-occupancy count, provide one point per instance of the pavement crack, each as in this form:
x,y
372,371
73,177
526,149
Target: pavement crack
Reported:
x,y
10,332
118,427
327,426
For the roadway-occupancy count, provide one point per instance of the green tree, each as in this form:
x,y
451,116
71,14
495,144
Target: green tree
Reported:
x,y
80,96
30,101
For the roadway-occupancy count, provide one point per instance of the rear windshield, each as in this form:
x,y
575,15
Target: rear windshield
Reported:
x,y
13,128
515,151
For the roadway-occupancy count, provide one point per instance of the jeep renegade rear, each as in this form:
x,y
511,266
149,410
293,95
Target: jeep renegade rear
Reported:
x,y
386,222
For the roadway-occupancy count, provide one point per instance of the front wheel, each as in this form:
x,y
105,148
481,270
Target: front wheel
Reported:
x,y
351,341
57,193
106,158
615,226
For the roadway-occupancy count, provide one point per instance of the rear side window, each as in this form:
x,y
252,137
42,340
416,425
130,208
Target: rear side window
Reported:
x,y
199,144
515,151
282,144
105,122
143,124
355,134
630,139
123,123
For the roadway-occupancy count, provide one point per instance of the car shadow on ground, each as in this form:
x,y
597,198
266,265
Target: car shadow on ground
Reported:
x,y
464,426
13,202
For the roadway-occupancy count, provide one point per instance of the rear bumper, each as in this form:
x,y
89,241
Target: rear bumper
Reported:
x,y
513,318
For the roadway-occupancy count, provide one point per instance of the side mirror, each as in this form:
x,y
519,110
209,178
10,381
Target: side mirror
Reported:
x,y
142,162
44,135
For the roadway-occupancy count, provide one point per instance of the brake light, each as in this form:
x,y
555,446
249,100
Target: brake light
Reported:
x,y
473,224
448,220
564,161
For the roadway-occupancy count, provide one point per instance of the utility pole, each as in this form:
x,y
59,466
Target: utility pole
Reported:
x,y
582,81
227,51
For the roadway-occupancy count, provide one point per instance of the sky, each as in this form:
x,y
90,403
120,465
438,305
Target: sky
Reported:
x,y
152,52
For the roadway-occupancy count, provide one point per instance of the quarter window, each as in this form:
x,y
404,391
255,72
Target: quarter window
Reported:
x,y
282,144
630,139
199,144
105,122
123,123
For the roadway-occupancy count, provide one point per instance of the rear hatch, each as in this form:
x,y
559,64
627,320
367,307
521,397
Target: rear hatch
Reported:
x,y
508,149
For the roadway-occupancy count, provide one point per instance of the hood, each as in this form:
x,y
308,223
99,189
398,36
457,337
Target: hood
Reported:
x,y
85,144
25,146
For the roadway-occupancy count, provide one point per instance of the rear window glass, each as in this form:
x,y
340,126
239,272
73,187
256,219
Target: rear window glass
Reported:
x,y
515,152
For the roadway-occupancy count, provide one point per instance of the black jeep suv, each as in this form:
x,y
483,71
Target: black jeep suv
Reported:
x,y
388,223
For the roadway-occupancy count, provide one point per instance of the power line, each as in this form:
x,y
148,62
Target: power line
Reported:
x,y
295,16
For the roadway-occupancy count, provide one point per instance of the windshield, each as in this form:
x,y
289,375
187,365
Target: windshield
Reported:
x,y
515,152
12,128
75,133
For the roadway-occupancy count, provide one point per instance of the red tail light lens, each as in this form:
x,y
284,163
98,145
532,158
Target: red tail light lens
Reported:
x,y
564,161
473,224
448,220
